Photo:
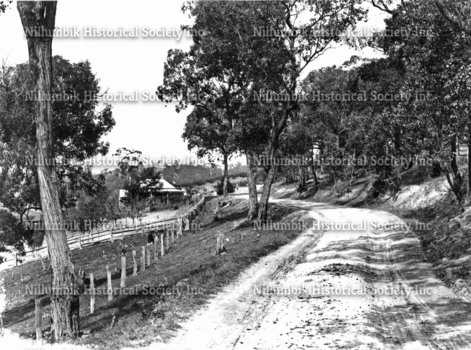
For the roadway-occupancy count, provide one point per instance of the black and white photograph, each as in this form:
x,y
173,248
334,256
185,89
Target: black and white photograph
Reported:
x,y
235,174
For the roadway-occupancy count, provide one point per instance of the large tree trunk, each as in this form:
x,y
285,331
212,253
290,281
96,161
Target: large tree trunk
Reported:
x,y
38,19
252,184
265,196
225,185
313,169
454,152
469,159
276,131
302,178
453,175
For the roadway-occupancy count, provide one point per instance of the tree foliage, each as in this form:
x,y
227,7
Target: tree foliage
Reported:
x,y
78,125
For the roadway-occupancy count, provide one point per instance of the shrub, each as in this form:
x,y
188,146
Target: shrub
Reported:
x,y
243,183
219,187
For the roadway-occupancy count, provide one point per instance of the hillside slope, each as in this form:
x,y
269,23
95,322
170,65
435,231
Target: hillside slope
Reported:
x,y
164,294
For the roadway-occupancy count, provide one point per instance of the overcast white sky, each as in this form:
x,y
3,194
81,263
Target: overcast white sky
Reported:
x,y
133,64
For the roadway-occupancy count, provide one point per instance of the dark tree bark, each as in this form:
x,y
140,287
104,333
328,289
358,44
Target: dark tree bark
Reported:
x,y
453,175
302,176
270,168
454,152
225,185
38,20
469,159
314,173
265,195
252,184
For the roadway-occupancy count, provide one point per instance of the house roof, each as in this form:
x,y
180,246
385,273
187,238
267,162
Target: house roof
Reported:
x,y
169,188
163,187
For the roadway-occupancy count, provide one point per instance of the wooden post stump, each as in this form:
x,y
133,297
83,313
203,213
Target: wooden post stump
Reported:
x,y
38,318
180,227
156,249
92,294
148,254
220,248
143,258
123,273
187,224
134,263
110,285
43,263
162,250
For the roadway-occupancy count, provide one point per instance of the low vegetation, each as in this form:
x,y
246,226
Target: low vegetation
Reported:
x,y
190,267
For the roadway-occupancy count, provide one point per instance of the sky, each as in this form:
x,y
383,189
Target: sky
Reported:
x,y
134,66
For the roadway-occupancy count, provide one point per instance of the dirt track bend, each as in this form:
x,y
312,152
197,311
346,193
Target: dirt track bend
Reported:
x,y
302,296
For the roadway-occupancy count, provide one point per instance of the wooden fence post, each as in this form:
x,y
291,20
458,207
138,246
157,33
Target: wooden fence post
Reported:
x,y
156,250
110,285
37,318
92,294
80,240
42,262
220,248
187,224
113,321
180,226
134,262
143,258
148,254
162,250
111,235
123,273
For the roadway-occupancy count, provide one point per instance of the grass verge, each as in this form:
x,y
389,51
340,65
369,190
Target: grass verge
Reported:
x,y
166,293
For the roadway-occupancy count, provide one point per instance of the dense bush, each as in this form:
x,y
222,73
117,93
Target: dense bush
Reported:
x,y
243,183
219,187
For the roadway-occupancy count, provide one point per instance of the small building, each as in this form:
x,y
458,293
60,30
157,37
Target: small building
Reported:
x,y
159,192
122,194
168,193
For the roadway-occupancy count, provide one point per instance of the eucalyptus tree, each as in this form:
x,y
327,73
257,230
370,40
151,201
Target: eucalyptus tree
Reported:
x,y
437,62
38,20
219,74
78,125
307,28
260,48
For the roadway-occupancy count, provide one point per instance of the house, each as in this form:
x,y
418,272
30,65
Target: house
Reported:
x,y
160,191
122,194
168,193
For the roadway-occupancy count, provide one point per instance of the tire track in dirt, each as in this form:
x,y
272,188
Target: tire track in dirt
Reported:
x,y
219,325
293,310
425,317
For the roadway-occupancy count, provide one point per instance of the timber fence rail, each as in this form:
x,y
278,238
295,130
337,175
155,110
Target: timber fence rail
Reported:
x,y
78,241
149,255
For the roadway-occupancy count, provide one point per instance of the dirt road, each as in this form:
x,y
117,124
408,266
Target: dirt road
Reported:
x,y
361,284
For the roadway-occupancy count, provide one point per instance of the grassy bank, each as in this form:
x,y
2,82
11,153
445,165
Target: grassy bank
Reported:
x,y
166,293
